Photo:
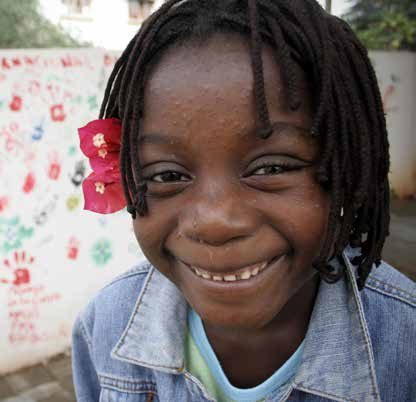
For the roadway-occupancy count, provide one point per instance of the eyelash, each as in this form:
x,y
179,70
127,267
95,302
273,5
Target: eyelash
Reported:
x,y
284,167
152,178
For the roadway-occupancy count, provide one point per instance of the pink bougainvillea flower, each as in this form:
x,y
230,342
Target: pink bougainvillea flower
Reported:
x,y
103,193
100,142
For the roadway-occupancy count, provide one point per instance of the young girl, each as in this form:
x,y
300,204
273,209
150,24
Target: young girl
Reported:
x,y
248,141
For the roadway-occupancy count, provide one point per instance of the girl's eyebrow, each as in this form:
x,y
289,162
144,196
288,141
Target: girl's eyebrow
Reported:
x,y
278,127
156,138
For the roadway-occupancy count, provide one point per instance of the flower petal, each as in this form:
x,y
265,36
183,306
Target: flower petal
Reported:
x,y
103,194
109,163
100,134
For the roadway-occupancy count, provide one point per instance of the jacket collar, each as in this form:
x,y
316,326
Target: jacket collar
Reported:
x,y
337,361
154,336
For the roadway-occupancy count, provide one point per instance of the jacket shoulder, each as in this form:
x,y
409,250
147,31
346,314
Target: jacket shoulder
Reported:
x,y
387,281
116,300
101,324
389,301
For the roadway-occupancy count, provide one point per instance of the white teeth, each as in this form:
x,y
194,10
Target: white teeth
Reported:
x,y
253,270
197,271
245,275
230,278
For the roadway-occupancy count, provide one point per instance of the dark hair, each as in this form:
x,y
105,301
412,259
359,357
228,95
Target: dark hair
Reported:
x,y
349,121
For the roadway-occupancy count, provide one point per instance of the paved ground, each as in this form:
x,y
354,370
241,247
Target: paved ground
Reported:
x,y
400,248
47,382
52,381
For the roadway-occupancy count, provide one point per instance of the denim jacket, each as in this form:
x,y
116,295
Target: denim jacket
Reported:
x,y
360,346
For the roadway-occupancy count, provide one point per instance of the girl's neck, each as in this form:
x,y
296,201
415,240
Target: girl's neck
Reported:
x,y
250,356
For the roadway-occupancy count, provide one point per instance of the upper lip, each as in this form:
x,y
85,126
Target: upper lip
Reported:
x,y
234,271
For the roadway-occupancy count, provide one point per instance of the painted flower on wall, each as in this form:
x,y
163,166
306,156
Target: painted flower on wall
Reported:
x,y
101,252
13,234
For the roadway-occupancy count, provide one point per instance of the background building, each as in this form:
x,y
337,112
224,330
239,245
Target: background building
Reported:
x,y
109,24
112,23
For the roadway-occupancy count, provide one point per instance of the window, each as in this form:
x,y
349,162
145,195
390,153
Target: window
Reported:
x,y
77,7
139,10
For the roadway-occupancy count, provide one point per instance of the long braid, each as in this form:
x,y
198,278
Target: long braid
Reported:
x,y
257,61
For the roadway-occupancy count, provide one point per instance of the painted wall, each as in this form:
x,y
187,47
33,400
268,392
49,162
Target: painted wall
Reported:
x,y
396,72
53,254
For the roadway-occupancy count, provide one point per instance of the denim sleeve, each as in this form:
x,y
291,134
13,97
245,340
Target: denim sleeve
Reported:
x,y
87,386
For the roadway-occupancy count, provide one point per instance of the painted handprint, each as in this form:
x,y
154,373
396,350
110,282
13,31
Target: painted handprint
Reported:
x,y
73,248
17,270
54,169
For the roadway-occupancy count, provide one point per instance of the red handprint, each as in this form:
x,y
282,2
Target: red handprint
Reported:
x,y
57,113
73,248
4,203
54,169
29,183
18,269
16,103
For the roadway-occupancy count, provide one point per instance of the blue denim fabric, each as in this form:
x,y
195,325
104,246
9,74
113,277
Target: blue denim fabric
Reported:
x,y
128,342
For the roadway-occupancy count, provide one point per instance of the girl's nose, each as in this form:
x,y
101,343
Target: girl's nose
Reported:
x,y
217,217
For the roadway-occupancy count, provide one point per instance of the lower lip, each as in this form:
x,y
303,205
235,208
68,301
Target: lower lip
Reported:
x,y
241,284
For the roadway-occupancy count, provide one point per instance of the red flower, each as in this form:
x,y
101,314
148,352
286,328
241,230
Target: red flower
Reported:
x,y
100,142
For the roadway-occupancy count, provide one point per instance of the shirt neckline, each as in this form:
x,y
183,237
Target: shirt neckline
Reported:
x,y
277,380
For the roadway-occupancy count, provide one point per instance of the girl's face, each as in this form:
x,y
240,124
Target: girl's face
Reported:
x,y
221,199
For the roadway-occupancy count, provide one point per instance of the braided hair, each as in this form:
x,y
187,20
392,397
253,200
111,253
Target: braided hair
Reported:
x,y
349,121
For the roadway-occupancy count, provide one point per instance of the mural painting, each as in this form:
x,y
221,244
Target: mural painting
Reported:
x,y
53,255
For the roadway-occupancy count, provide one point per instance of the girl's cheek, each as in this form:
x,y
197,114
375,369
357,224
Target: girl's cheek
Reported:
x,y
151,231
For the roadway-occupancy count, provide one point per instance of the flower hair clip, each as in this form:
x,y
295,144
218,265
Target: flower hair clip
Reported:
x,y
100,142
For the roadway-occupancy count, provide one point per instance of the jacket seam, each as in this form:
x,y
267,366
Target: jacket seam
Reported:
x,y
286,396
324,394
128,391
370,358
199,384
122,385
409,299
85,334
133,382
388,294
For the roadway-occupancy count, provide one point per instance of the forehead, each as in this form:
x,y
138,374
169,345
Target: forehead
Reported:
x,y
210,67
210,85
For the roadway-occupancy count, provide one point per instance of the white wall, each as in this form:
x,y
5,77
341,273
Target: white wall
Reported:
x,y
396,72
53,255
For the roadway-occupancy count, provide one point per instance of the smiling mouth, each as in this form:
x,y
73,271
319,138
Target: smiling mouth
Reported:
x,y
242,274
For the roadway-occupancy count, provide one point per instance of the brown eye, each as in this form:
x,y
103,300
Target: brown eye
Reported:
x,y
268,170
168,177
